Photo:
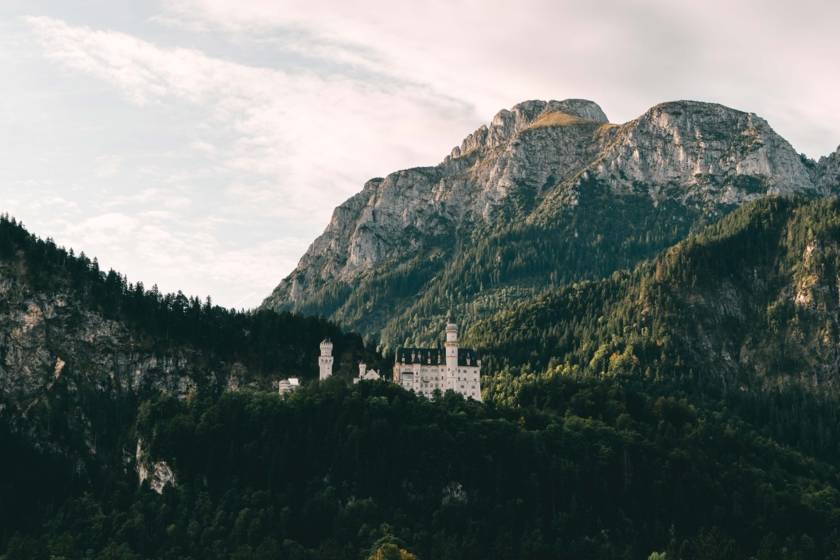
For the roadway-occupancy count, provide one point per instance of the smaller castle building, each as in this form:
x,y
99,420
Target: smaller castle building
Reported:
x,y
426,370
325,360
286,386
366,374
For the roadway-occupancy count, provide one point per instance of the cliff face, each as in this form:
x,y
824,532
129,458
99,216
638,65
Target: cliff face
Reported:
x,y
827,173
532,169
71,378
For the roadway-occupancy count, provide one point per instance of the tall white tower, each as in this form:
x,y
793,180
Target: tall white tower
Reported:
x,y
451,345
325,361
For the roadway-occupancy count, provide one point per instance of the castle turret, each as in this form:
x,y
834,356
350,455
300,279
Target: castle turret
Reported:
x,y
325,361
451,345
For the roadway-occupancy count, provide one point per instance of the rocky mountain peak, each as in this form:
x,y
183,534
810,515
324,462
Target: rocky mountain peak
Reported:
x,y
509,122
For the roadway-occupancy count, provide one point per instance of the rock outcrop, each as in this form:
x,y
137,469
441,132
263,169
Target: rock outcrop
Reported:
x,y
827,176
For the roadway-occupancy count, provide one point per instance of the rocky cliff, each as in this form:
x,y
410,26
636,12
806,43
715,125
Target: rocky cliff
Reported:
x,y
542,170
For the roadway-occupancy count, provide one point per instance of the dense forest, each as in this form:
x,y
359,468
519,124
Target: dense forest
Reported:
x,y
684,409
580,469
752,300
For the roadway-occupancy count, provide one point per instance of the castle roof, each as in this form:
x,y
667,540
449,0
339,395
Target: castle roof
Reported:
x,y
435,356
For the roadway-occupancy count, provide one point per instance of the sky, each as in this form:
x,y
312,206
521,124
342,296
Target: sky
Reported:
x,y
201,145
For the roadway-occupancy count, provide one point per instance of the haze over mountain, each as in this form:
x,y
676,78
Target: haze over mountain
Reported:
x,y
547,193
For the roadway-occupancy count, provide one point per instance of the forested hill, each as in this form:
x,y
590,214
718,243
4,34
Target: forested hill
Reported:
x,y
578,468
45,287
748,304
80,349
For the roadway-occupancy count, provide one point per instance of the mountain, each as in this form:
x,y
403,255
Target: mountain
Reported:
x,y
548,193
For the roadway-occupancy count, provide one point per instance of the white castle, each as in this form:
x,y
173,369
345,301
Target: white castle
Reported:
x,y
424,370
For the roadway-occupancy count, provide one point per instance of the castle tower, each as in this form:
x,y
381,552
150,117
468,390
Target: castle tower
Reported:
x,y
325,361
451,345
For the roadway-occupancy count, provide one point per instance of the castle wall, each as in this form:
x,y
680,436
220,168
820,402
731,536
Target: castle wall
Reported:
x,y
426,379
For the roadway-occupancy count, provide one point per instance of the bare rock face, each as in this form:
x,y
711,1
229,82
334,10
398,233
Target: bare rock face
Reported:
x,y
828,173
508,123
703,153
57,354
531,164
158,473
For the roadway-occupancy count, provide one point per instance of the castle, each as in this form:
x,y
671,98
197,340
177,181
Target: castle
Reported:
x,y
424,370
286,386
325,361
366,374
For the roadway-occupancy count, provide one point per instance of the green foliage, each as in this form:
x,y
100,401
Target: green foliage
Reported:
x,y
749,302
581,469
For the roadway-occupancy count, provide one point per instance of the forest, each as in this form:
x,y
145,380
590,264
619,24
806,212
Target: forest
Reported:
x,y
581,468
647,415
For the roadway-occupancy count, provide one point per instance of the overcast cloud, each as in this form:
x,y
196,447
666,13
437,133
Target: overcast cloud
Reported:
x,y
202,144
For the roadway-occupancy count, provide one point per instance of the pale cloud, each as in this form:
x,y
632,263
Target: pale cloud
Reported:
x,y
152,196
108,165
203,147
317,137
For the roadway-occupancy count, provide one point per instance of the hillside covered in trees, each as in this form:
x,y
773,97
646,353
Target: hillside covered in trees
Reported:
x,y
747,304
578,469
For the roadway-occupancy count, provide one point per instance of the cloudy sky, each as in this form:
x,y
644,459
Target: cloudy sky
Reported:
x,y
202,144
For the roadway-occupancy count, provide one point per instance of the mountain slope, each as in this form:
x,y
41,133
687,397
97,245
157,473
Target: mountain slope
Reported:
x,y
752,302
549,193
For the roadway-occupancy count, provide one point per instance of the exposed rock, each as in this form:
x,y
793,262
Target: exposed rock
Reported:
x,y
702,153
828,173
158,473
56,354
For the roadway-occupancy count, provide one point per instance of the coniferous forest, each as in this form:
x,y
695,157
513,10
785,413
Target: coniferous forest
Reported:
x,y
686,408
